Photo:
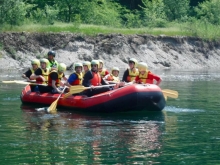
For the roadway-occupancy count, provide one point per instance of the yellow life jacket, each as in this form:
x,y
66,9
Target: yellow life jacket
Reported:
x,y
111,77
144,78
132,75
102,73
79,79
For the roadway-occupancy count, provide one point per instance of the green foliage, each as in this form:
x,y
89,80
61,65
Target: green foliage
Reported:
x,y
12,12
153,13
209,11
45,16
176,9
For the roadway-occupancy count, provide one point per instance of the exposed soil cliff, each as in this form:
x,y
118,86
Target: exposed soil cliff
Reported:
x,y
17,49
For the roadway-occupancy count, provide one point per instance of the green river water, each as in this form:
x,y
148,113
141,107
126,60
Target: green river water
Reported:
x,y
187,131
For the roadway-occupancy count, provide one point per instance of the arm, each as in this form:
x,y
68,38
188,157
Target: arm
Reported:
x,y
71,79
125,75
155,77
27,75
86,79
37,74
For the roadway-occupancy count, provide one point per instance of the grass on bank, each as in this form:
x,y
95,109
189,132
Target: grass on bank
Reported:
x,y
194,29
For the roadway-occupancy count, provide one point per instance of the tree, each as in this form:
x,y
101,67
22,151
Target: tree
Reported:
x,y
209,10
176,9
153,12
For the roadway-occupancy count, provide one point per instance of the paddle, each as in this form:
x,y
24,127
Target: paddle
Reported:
x,y
78,89
22,82
53,106
170,93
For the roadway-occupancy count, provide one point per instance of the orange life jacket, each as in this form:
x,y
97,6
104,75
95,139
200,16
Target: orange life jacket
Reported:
x,y
132,75
96,80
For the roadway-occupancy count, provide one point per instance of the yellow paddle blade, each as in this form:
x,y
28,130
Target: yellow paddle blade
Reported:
x,y
53,106
74,91
12,81
170,93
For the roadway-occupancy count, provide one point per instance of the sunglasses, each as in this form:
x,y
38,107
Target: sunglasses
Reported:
x,y
131,62
94,65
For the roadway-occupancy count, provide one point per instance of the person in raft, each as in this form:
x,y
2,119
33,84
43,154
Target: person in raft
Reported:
x,y
113,77
145,76
131,73
54,79
86,67
52,62
41,74
27,75
102,71
76,77
93,78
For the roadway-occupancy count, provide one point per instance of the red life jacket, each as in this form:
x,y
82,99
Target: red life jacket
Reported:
x,y
45,75
96,80
144,79
78,81
57,82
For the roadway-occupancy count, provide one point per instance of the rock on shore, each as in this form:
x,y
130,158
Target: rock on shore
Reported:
x,y
17,49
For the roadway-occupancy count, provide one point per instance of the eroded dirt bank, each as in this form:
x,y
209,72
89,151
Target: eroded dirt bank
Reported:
x,y
17,49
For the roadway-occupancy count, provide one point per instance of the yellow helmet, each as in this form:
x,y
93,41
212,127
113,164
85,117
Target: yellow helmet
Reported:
x,y
101,61
62,67
134,60
44,60
78,64
35,61
95,62
142,66
87,63
115,68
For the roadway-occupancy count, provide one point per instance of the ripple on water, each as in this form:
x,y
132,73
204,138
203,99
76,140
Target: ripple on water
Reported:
x,y
178,110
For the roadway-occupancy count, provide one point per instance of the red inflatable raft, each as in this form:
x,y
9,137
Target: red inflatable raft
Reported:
x,y
129,98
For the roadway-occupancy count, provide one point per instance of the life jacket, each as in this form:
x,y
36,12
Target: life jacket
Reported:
x,y
96,80
102,73
32,71
132,75
78,81
45,75
52,63
57,82
111,77
144,78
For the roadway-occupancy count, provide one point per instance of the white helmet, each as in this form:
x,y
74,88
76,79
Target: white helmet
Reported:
x,y
142,66
134,61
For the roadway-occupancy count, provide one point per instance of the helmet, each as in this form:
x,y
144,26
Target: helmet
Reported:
x,y
87,63
115,68
142,66
51,52
134,60
78,64
44,60
35,61
95,62
101,61
62,67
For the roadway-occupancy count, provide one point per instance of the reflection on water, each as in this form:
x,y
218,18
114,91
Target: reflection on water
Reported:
x,y
105,137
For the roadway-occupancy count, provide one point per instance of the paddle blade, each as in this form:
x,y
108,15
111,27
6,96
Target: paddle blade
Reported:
x,y
170,93
52,108
74,91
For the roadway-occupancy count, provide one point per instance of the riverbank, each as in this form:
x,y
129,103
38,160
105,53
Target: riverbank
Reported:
x,y
17,49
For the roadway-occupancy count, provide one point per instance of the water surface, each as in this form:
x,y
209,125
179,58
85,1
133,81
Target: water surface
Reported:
x,y
185,132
